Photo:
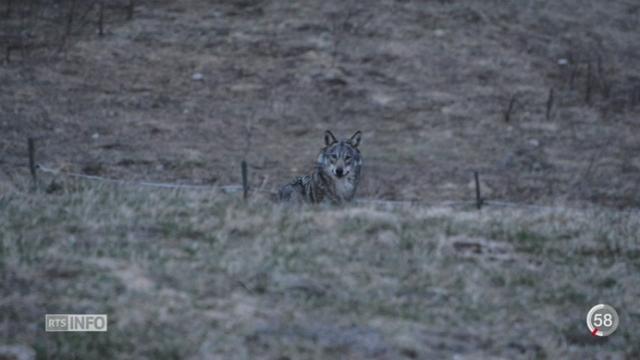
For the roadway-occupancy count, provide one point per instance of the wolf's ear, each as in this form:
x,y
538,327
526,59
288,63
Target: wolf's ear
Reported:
x,y
355,139
329,138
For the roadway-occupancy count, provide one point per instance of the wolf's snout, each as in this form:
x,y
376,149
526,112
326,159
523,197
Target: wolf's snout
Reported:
x,y
339,172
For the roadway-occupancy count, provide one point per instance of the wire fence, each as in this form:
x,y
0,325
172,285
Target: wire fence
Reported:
x,y
162,185
478,203
230,189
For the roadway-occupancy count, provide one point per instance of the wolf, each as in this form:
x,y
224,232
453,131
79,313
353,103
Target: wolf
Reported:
x,y
335,176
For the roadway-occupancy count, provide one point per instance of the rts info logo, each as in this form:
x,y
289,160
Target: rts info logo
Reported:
x,y
75,322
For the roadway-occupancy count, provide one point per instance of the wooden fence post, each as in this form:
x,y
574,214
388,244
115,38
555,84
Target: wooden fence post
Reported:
x,y
32,162
245,180
479,200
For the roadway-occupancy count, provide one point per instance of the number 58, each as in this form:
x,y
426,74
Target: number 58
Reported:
x,y
602,319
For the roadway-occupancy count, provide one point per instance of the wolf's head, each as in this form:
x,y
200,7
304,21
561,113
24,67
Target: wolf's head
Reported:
x,y
340,159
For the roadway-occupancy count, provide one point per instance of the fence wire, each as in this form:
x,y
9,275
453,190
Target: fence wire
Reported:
x,y
239,189
224,188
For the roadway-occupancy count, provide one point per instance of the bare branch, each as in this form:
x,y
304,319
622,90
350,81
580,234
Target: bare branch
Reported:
x,y
510,108
130,9
588,84
9,8
101,17
549,104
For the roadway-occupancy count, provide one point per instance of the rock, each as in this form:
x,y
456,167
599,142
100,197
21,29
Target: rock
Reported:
x,y
197,77
291,283
332,77
381,99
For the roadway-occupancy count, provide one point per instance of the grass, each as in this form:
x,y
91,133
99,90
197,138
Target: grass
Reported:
x,y
191,275
201,274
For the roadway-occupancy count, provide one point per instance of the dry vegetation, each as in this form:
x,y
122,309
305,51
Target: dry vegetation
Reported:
x,y
191,275
541,97
429,84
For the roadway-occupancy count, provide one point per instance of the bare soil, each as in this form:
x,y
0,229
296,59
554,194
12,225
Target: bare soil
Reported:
x,y
429,84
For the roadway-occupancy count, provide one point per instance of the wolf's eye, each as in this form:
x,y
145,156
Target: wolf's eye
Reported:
x,y
334,157
348,158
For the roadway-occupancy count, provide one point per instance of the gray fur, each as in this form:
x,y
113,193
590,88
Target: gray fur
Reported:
x,y
335,177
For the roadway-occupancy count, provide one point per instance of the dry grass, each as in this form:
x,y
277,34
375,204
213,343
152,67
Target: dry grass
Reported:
x,y
427,84
202,275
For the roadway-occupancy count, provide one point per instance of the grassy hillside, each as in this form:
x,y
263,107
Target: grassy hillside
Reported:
x,y
429,83
190,274
540,97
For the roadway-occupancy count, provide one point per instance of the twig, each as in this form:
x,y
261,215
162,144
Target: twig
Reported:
x,y
337,32
582,179
101,18
574,72
70,18
635,95
358,27
605,85
69,26
549,104
589,84
512,103
130,9
8,50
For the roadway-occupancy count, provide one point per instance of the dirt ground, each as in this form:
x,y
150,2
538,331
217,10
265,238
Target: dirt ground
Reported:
x,y
430,85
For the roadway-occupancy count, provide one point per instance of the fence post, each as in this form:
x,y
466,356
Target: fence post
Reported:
x,y
245,180
549,104
130,9
101,18
32,162
479,200
588,84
